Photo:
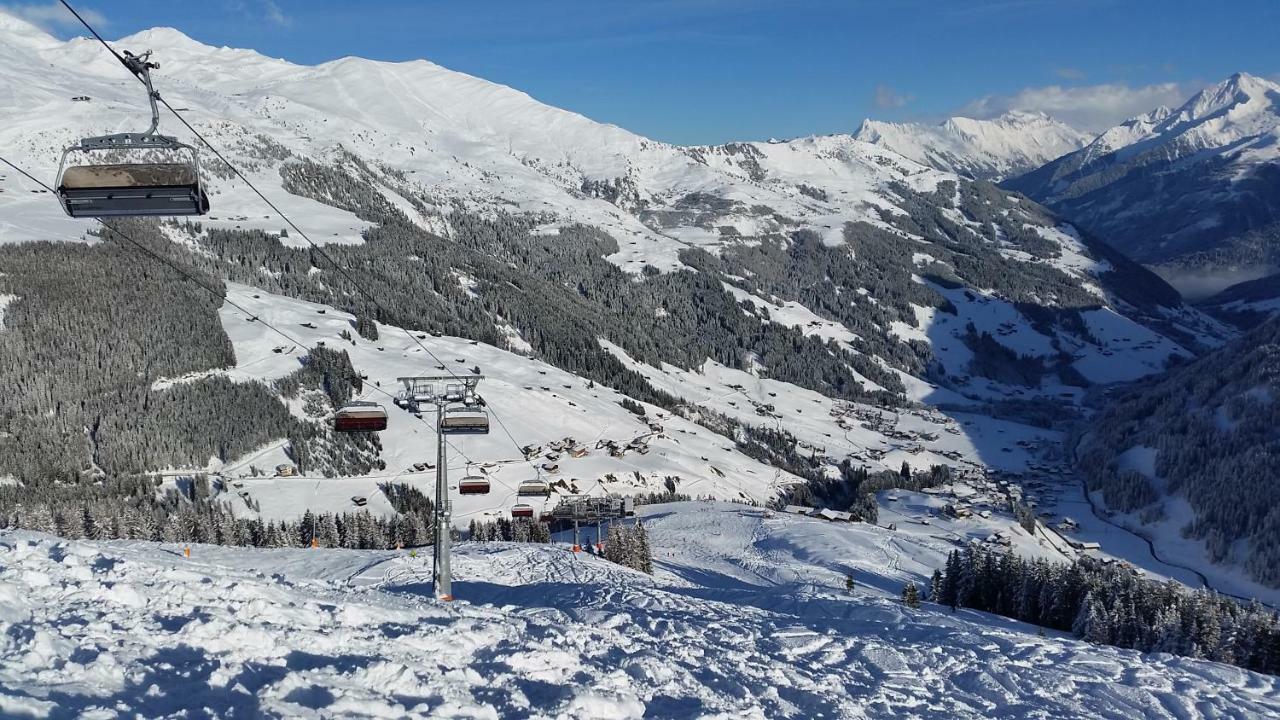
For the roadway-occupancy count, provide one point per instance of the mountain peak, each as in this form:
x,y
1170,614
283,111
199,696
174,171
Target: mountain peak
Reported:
x,y
1239,90
162,37
16,30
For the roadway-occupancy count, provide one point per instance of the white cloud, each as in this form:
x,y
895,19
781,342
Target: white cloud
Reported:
x,y
53,16
256,10
275,15
1092,107
886,97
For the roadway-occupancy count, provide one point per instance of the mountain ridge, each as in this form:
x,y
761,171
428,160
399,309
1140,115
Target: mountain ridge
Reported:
x,y
991,149
1193,192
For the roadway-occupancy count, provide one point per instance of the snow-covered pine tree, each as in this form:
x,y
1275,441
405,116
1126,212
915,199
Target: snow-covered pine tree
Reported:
x,y
911,595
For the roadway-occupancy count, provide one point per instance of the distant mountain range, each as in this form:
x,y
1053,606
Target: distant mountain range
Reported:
x,y
1193,192
1010,145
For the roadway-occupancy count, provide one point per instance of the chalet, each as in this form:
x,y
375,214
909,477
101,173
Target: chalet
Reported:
x,y
798,510
835,515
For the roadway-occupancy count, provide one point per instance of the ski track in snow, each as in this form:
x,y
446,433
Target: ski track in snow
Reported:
x,y
732,624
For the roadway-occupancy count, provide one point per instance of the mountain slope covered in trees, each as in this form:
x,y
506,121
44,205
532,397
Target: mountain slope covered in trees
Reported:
x,y
1195,453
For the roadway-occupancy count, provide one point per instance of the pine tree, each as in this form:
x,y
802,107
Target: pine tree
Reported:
x,y
911,595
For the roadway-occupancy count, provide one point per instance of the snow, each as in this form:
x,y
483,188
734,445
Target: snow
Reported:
x,y
793,314
5,301
749,619
1140,459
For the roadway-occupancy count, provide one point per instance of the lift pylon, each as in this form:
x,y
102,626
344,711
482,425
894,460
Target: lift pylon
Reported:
x,y
458,392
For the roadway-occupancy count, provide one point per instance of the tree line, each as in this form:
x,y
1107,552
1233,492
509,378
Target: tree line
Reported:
x,y
1110,604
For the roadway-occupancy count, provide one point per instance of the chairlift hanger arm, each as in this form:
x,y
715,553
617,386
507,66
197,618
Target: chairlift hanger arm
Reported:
x,y
141,66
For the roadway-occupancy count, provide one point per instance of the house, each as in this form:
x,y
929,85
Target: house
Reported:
x,y
286,470
835,515
798,509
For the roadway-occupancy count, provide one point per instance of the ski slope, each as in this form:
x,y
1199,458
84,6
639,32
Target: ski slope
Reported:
x,y
745,617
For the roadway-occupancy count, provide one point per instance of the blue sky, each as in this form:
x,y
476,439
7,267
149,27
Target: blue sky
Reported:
x,y
708,71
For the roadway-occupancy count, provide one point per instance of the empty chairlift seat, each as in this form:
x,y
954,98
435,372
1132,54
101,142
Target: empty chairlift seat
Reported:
x,y
465,421
360,417
522,511
129,190
534,488
473,485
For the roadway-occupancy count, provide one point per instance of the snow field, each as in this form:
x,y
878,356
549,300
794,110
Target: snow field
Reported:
x,y
742,618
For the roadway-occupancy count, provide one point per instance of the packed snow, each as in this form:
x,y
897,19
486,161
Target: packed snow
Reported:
x,y
745,616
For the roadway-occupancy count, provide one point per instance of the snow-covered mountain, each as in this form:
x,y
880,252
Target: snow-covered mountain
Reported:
x,y
1247,303
929,281
993,149
784,286
1194,191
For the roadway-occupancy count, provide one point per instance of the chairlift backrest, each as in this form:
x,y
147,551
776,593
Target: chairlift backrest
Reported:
x,y
465,421
534,487
360,416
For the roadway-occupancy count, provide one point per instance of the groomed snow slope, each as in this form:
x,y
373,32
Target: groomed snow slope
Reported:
x,y
740,621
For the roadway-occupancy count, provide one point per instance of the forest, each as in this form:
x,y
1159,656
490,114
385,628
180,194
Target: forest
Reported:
x,y
1110,604
1214,426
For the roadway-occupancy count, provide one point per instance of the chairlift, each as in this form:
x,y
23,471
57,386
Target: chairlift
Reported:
x,y
534,487
465,421
360,416
161,179
453,392
473,485
522,511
